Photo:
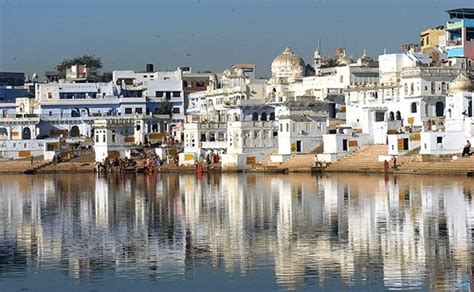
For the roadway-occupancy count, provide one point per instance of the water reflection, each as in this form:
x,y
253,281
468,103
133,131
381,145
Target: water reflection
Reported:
x,y
360,231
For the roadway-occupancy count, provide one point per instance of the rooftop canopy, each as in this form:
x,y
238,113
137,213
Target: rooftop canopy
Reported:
x,y
461,13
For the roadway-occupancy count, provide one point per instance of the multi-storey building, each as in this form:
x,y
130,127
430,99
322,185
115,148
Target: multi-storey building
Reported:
x,y
460,33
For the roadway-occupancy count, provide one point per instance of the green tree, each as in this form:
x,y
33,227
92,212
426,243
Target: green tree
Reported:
x,y
166,108
106,77
90,61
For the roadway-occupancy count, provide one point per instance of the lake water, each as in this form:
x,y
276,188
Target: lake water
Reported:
x,y
253,232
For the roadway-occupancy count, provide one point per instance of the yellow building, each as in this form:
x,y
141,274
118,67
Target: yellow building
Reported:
x,y
429,38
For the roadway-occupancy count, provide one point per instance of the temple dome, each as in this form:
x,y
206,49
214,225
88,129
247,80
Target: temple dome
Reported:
x,y
344,60
461,83
288,64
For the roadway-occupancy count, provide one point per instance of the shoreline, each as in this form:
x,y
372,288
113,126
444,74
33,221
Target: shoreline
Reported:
x,y
45,168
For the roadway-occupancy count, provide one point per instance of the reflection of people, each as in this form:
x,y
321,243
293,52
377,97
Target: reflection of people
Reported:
x,y
394,161
385,165
467,149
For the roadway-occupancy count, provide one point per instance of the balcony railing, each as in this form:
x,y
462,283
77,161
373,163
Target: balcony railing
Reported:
x,y
452,43
455,24
214,145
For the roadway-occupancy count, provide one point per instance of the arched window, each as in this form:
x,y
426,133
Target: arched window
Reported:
x,y
413,107
272,117
255,116
74,131
433,87
399,116
405,88
391,116
75,113
264,116
26,134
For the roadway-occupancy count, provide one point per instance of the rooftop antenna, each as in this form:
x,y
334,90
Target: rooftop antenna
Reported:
x,y
385,51
319,45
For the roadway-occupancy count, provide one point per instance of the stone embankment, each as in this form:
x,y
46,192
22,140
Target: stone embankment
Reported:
x,y
365,160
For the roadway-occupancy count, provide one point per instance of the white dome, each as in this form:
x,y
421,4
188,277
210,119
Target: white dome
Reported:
x,y
461,83
288,64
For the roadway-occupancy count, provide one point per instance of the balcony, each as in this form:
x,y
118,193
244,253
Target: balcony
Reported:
x,y
455,24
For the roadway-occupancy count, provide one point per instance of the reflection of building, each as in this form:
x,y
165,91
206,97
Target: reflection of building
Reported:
x,y
416,230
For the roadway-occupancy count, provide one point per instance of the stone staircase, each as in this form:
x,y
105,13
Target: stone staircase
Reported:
x,y
299,162
364,159
463,165
86,156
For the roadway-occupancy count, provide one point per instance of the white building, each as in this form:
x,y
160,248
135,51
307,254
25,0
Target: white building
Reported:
x,y
409,93
113,137
458,124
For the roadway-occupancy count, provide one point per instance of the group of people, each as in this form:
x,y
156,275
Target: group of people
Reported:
x,y
114,164
153,163
212,157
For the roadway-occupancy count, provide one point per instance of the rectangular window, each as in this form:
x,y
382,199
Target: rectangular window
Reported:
x,y
281,127
287,127
379,116
103,139
113,138
128,110
168,95
139,110
50,113
50,95
176,94
176,110
439,140
97,138
159,93
469,34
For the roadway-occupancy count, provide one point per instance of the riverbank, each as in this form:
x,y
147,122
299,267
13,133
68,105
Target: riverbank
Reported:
x,y
462,167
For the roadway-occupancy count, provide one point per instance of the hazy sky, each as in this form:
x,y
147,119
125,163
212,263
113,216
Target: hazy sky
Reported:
x,y
36,35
